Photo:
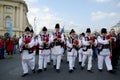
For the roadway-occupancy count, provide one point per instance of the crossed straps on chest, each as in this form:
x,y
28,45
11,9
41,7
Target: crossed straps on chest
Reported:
x,y
42,36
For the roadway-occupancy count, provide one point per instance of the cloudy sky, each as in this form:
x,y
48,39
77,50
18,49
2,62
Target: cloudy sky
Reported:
x,y
76,14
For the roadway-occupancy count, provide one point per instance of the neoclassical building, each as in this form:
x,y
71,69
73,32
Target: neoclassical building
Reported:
x,y
13,12
117,27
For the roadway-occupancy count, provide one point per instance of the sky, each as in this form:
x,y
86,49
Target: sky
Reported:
x,y
73,14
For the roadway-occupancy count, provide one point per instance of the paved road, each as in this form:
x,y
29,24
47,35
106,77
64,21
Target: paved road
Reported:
x,y
11,69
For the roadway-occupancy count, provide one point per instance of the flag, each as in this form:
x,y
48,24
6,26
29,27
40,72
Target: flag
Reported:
x,y
10,29
62,30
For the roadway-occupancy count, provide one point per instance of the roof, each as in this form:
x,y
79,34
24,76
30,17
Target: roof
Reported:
x,y
20,1
14,0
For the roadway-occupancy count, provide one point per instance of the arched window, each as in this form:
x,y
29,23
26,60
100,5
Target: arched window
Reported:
x,y
7,21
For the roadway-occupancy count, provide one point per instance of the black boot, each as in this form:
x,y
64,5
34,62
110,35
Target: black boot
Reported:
x,y
80,63
45,69
90,71
70,71
24,74
33,70
48,63
58,70
54,66
111,71
39,70
82,68
74,68
100,70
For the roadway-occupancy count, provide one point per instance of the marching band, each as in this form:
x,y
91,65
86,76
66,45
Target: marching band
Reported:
x,y
51,48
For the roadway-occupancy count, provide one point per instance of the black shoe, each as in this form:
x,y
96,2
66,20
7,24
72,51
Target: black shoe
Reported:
x,y
90,71
74,68
58,70
111,71
82,68
24,74
39,70
67,62
33,70
48,63
100,70
70,71
61,60
54,66
45,69
80,63
114,67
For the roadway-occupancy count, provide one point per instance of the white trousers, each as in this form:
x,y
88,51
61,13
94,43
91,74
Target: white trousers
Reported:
x,y
52,51
67,56
27,60
57,60
48,57
87,54
80,55
26,63
104,55
72,62
34,57
43,59
57,55
71,58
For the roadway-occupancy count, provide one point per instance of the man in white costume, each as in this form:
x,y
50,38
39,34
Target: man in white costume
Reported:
x,y
80,50
35,44
25,45
44,49
104,51
87,51
57,40
72,47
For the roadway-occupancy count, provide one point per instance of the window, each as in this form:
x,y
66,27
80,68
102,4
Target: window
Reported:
x,y
8,10
7,21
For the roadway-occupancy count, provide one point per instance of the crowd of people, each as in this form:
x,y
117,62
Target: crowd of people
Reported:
x,y
8,46
52,46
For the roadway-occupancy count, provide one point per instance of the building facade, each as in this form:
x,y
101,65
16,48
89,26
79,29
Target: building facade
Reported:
x,y
13,13
117,27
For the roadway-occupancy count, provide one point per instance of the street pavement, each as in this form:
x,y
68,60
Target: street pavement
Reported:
x,y
11,69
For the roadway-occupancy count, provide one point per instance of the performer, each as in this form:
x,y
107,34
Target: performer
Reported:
x,y
114,58
44,49
57,40
33,37
87,51
25,45
72,47
80,50
104,51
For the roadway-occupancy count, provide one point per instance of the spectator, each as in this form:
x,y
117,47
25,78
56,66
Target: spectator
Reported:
x,y
1,48
15,43
9,47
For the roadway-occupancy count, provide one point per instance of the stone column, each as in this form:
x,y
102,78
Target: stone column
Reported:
x,y
16,17
2,16
13,16
21,16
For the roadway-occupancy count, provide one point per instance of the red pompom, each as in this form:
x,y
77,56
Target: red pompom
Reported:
x,y
46,39
59,36
110,56
76,41
27,40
